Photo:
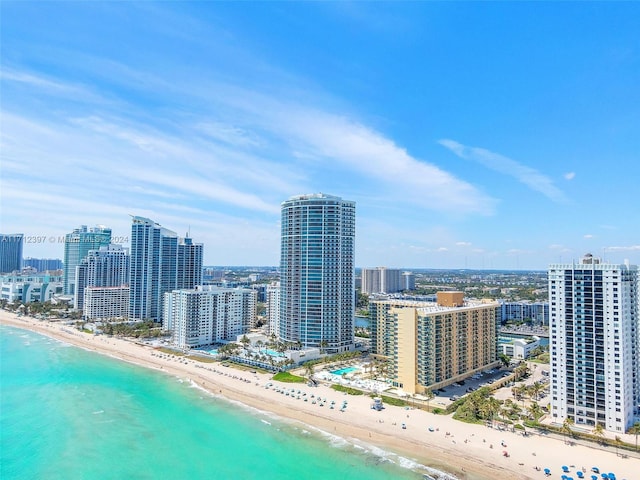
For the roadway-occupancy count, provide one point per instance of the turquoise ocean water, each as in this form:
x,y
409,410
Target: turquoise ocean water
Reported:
x,y
66,413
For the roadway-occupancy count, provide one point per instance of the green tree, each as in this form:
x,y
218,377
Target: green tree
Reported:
x,y
598,431
635,430
428,394
505,359
566,428
618,441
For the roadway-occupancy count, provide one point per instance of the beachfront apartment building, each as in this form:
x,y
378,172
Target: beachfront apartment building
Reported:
x,y
106,303
208,315
107,266
317,291
429,345
27,288
273,308
160,262
381,280
77,245
594,343
11,245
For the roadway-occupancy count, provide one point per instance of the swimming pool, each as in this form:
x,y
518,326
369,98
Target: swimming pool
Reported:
x,y
342,371
272,353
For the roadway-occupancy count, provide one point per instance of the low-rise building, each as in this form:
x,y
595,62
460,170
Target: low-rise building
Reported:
x,y
30,287
518,348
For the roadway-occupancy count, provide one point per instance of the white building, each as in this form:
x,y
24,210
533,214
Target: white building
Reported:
x,y
317,293
273,308
208,315
518,348
30,288
106,303
594,343
107,266
381,280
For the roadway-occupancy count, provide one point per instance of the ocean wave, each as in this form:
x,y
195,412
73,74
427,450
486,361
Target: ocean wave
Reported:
x,y
379,455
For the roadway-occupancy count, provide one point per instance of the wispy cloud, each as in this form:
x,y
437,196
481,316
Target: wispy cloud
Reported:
x,y
507,166
630,248
570,175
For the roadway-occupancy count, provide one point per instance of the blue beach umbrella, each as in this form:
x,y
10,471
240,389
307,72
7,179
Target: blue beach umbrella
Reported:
x,y
579,474
547,471
565,468
605,476
612,476
594,477
595,469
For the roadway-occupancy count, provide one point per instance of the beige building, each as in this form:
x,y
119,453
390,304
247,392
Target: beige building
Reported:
x,y
429,345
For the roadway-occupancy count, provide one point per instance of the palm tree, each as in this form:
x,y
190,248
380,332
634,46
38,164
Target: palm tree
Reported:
x,y
566,427
635,430
536,390
308,370
598,431
535,411
428,394
618,443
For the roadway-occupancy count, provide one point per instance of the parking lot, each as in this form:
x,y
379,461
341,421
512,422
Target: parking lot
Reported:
x,y
457,390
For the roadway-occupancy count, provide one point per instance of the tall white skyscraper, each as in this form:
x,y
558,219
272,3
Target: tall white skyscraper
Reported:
x,y
594,343
273,308
317,272
160,262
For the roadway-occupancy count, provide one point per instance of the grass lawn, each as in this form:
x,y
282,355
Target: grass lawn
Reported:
x,y
288,378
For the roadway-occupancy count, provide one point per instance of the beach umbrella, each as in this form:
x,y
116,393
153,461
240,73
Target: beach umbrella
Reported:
x,y
547,471
594,477
580,474
595,469
612,476
565,468
605,476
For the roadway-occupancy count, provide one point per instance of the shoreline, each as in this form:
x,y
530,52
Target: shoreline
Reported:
x,y
467,451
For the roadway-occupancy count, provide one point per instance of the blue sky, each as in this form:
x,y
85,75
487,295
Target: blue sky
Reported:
x,y
471,135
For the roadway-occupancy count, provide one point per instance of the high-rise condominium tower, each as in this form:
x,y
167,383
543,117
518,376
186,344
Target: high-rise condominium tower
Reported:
x,y
160,262
11,252
381,280
76,246
594,342
317,272
106,267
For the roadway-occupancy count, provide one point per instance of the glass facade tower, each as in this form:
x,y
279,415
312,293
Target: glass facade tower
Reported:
x,y
76,247
160,262
317,272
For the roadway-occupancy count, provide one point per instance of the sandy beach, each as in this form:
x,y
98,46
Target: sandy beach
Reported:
x,y
473,452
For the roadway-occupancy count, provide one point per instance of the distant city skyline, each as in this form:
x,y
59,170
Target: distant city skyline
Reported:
x,y
471,135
